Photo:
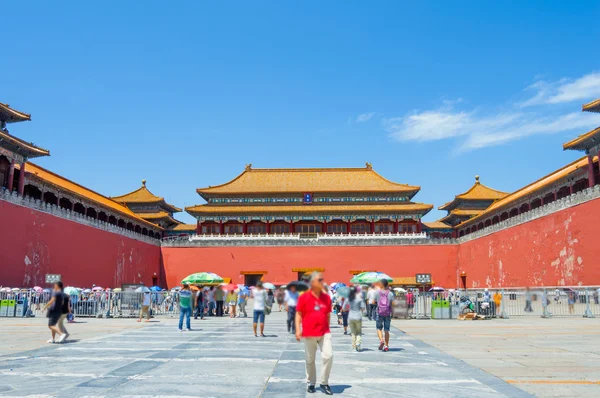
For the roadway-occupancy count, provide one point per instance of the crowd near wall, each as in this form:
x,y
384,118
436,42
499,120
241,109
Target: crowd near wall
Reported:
x,y
553,248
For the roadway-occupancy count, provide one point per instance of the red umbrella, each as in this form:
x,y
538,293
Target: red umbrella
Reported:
x,y
230,287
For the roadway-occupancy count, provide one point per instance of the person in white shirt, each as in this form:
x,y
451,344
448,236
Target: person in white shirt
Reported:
x,y
372,295
291,299
260,302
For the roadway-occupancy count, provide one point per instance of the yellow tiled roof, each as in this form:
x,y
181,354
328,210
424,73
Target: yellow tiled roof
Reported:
x,y
143,195
593,106
477,192
81,191
593,135
33,150
184,227
157,216
392,208
10,115
260,181
461,213
533,187
437,225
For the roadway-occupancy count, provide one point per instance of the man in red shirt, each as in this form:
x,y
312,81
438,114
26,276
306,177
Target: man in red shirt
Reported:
x,y
312,324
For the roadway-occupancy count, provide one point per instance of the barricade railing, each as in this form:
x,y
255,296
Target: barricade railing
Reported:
x,y
542,302
94,304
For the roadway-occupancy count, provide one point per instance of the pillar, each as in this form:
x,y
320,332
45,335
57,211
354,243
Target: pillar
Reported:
x,y
291,227
11,175
198,228
348,230
268,227
244,227
221,227
591,177
396,226
419,227
372,227
22,179
324,227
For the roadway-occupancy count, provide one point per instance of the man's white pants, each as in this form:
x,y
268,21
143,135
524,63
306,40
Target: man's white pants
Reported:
x,y
310,349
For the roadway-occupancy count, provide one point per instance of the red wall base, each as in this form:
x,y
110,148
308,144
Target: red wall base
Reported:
x,y
440,260
560,249
33,244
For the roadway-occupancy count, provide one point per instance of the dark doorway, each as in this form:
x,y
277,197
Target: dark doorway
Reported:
x,y
154,280
251,280
300,275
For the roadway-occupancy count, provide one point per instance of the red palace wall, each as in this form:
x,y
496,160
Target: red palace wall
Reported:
x,y
440,260
559,249
562,248
33,244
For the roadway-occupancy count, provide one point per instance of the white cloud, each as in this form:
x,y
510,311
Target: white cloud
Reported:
x,y
586,88
477,128
364,117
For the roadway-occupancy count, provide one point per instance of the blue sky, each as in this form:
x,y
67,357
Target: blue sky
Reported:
x,y
431,93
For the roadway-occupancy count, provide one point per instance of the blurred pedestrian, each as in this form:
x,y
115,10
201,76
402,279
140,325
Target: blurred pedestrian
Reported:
x,y
528,299
54,307
185,307
384,316
280,296
357,306
260,305
211,301
291,300
219,299
232,302
242,300
372,303
66,310
146,299
199,304
312,325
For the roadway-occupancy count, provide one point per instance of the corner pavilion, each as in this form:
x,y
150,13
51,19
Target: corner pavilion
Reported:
x,y
313,200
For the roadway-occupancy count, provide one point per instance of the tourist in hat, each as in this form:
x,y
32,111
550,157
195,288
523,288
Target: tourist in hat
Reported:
x,y
313,314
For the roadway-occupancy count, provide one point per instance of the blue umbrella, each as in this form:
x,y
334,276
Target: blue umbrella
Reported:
x,y
155,289
338,285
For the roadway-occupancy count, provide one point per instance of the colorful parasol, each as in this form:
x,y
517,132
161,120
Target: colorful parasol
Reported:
x,y
370,277
268,285
203,278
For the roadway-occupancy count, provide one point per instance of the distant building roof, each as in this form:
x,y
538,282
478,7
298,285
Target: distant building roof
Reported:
x,y
261,181
477,192
81,191
584,141
557,175
436,225
143,195
184,228
20,146
593,106
10,115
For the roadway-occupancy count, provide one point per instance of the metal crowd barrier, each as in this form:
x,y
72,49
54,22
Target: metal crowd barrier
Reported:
x,y
95,304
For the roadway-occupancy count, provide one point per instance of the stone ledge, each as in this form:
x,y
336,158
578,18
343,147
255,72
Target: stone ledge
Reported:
x,y
35,204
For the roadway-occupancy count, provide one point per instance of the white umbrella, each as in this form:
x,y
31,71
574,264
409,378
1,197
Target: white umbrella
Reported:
x,y
87,290
97,289
142,289
400,289
269,286
15,289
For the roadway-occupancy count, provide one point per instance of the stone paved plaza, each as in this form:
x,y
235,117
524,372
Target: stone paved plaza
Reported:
x,y
221,357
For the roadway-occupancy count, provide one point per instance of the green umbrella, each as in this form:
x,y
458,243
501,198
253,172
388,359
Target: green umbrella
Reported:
x,y
71,291
203,278
370,277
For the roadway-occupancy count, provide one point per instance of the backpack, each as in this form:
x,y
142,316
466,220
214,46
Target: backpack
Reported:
x,y
384,306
